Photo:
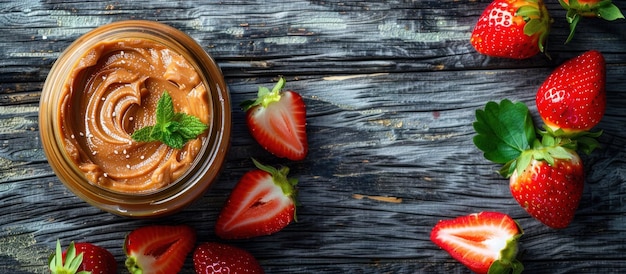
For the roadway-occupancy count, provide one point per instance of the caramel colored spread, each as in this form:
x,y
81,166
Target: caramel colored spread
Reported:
x,y
113,91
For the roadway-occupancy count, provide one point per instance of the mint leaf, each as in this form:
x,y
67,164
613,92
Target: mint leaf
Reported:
x,y
165,109
174,140
143,134
503,131
190,126
171,128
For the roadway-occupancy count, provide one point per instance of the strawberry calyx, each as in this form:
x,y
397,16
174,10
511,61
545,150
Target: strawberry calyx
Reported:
x,y
604,9
279,177
538,21
548,149
266,96
585,141
72,260
508,262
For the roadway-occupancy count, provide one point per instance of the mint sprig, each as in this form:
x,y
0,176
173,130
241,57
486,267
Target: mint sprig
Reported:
x,y
173,129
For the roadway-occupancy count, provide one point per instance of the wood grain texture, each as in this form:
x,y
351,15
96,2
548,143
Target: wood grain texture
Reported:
x,y
391,88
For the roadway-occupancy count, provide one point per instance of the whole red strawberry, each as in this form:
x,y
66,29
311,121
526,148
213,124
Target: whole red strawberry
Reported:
x,y
277,121
576,9
215,258
546,174
550,187
82,258
263,202
515,29
485,242
573,97
158,249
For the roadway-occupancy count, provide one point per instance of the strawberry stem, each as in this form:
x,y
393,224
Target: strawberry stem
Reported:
x,y
72,260
279,176
265,96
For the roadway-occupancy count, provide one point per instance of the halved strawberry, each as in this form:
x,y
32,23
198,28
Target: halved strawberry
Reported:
x,y
576,9
515,29
277,121
484,242
263,202
573,97
82,258
210,258
158,249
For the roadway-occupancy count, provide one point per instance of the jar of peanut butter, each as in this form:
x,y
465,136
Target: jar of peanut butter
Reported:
x,y
104,87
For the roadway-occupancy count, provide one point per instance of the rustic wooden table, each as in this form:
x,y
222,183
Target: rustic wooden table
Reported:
x,y
391,89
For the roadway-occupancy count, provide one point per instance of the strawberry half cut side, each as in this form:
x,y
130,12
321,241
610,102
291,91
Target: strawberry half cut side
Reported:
x,y
485,242
263,202
158,249
276,119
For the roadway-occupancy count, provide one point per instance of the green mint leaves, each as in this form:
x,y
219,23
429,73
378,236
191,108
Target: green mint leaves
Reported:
x,y
171,128
504,131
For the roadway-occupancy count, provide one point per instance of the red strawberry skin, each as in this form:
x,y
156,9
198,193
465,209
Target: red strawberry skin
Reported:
x,y
550,194
210,258
499,31
480,239
277,121
262,203
158,249
96,260
573,97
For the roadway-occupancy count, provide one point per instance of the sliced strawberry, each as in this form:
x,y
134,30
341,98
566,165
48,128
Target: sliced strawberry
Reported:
x,y
573,97
263,202
82,258
576,9
484,242
158,249
277,121
209,258
515,29
548,184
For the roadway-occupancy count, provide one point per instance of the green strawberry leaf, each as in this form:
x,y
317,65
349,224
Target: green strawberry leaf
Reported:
x,y
503,131
610,12
173,129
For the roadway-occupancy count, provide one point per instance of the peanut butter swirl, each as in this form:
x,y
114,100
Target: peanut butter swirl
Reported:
x,y
113,91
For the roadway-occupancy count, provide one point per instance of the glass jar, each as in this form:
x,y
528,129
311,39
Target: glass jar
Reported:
x,y
63,82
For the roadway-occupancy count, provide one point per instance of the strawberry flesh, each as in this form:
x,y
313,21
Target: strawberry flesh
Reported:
x,y
573,97
158,249
277,121
209,258
480,240
262,203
